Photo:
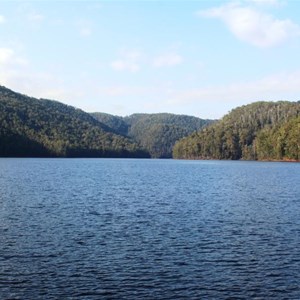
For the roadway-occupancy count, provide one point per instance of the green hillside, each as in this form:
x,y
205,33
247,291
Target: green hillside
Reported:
x,y
43,128
261,130
32,127
115,123
155,132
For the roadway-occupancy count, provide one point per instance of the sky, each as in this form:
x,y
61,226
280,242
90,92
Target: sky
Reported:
x,y
199,58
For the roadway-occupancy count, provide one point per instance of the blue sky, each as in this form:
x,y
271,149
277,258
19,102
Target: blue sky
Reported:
x,y
200,58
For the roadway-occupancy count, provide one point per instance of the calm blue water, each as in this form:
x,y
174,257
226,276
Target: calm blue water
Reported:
x,y
149,229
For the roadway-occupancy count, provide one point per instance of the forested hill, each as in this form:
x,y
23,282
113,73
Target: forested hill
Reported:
x,y
258,131
32,127
155,132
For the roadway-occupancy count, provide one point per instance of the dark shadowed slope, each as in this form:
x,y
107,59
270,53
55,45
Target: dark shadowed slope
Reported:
x,y
37,127
155,132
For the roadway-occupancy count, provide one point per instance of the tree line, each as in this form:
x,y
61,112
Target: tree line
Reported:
x,y
258,131
45,128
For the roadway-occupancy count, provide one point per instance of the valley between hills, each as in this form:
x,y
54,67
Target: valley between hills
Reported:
x,y
31,127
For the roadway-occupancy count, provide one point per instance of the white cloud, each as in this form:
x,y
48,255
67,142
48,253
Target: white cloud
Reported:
x,y
253,26
2,19
167,60
129,61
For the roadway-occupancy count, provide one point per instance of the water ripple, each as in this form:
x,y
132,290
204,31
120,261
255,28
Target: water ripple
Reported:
x,y
149,229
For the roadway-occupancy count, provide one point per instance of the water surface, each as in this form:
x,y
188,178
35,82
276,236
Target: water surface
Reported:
x,y
149,229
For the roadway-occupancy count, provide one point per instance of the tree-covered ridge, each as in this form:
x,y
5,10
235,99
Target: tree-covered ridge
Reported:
x,y
261,130
281,142
43,128
155,132
115,123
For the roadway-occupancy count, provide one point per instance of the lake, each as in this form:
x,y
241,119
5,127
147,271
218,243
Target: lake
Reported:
x,y
149,229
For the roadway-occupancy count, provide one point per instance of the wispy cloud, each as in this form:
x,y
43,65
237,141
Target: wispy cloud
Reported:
x,y
123,65
84,28
85,32
133,60
8,57
274,3
253,26
279,86
2,19
129,61
35,17
37,84
28,12
167,60
11,66
123,90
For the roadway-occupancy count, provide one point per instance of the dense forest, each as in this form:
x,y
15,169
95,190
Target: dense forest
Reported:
x,y
32,127
258,131
157,133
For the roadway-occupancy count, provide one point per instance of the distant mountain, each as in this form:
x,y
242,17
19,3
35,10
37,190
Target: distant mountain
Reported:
x,y
261,130
155,132
32,127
